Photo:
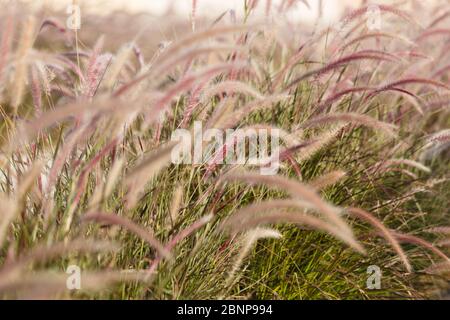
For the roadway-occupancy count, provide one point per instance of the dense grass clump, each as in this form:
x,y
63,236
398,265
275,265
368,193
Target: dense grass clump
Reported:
x,y
87,178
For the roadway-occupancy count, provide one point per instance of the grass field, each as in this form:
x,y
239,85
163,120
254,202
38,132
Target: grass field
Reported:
x,y
89,188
